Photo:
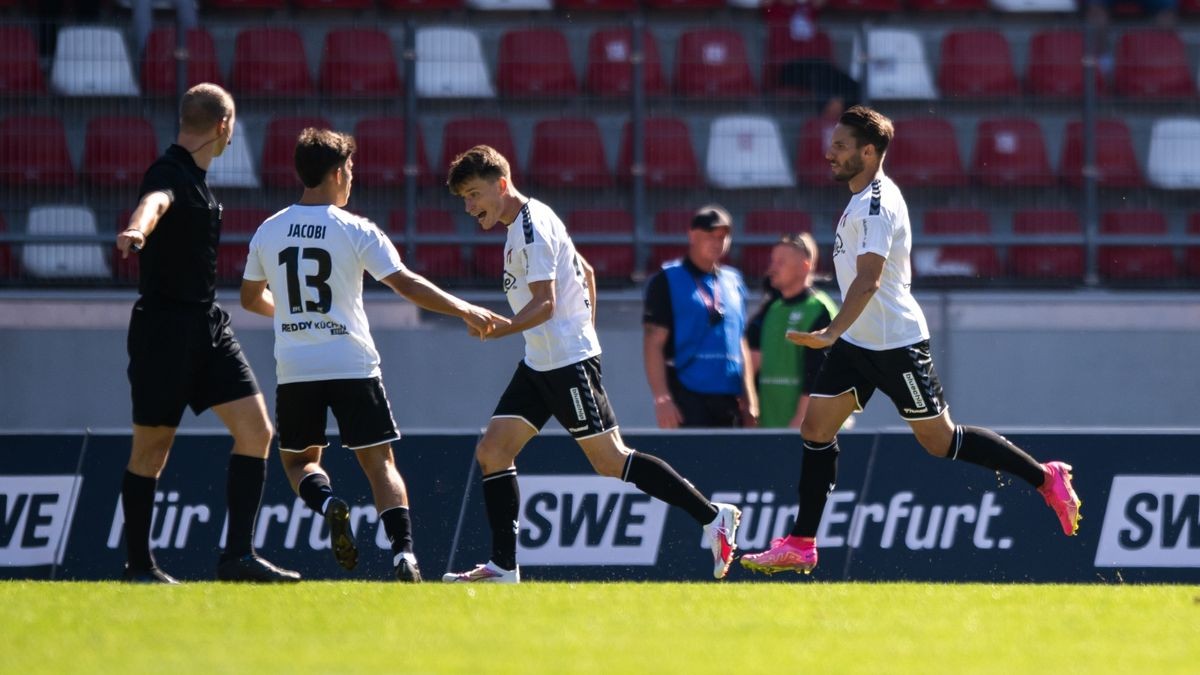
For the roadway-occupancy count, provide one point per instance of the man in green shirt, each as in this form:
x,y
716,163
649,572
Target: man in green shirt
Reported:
x,y
785,371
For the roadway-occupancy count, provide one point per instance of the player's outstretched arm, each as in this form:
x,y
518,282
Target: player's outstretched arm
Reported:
x,y
424,294
257,298
143,221
868,272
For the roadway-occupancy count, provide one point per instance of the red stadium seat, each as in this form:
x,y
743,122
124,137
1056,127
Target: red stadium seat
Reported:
x,y
1152,63
118,150
782,47
1051,261
382,152
465,133
568,153
438,261
334,4
976,63
1136,261
33,153
609,72
1189,7
9,269
864,5
611,260
535,63
1115,159
924,153
757,257
1192,253
421,5
1056,64
270,62
359,62
231,255
159,66
670,159
19,69
1010,152
674,224
245,4
712,62
811,165
947,5
597,5
979,261
487,259
279,150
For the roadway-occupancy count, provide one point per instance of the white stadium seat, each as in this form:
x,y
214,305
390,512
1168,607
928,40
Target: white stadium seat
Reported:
x,y
92,61
510,5
68,260
746,151
1174,162
896,67
234,167
1023,6
450,64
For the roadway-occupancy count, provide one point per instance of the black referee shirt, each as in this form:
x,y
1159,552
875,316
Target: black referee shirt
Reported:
x,y
179,261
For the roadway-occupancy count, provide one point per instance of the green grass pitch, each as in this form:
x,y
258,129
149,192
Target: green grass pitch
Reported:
x,y
804,627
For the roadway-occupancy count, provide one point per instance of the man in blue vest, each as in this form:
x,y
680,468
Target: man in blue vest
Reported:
x,y
694,344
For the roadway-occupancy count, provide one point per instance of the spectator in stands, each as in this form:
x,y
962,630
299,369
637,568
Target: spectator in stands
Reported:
x,y
552,292
786,372
1099,14
322,369
833,88
695,351
182,351
143,19
880,340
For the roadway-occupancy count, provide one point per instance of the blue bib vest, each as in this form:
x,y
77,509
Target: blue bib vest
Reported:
x,y
708,356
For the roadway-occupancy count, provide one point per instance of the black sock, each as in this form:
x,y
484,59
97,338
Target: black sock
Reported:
x,y
989,449
657,479
244,490
503,500
818,474
398,525
137,505
314,490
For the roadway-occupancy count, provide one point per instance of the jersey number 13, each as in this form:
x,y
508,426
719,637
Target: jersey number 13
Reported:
x,y
290,259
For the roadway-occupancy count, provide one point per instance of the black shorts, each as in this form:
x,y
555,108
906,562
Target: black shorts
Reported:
x,y
573,394
905,374
704,410
181,356
360,406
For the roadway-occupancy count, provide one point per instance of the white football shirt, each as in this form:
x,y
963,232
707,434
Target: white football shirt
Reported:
x,y
876,221
538,248
313,259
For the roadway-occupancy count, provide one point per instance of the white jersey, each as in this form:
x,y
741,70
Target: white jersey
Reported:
x,y
539,249
876,221
313,258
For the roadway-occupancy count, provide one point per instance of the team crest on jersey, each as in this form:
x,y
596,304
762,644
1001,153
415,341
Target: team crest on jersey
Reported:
x,y
509,281
838,247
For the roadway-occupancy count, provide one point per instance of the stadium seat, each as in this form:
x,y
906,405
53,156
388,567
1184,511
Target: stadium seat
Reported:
x,y
66,261
279,150
92,61
535,63
118,150
1174,144
9,269
1056,64
783,47
611,260
811,166
896,67
568,153
947,5
976,63
234,168
746,151
487,258
1115,161
231,255
977,261
924,153
270,62
33,153
465,133
450,64
670,160
597,5
359,62
510,5
1152,63
755,258
887,6
1192,253
1057,262
421,5
1010,152
1135,261
382,150
712,62
609,71
334,4
1034,6
675,225
159,66
437,261
19,69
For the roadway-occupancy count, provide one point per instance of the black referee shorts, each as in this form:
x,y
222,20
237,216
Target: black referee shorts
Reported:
x,y
183,356
573,394
905,374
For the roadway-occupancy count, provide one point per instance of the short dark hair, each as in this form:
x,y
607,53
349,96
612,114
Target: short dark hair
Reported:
x,y
481,161
203,107
711,215
319,151
869,127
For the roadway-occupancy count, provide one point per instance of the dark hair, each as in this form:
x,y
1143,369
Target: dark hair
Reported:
x,y
869,127
711,215
319,151
481,161
203,107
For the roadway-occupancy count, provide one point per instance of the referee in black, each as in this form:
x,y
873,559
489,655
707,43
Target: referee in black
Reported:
x,y
182,351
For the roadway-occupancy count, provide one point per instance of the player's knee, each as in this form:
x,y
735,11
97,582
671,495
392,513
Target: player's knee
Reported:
x,y
611,464
491,457
935,444
815,432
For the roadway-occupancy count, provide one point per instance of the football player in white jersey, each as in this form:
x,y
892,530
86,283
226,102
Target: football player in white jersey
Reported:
x,y
880,340
552,293
305,271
